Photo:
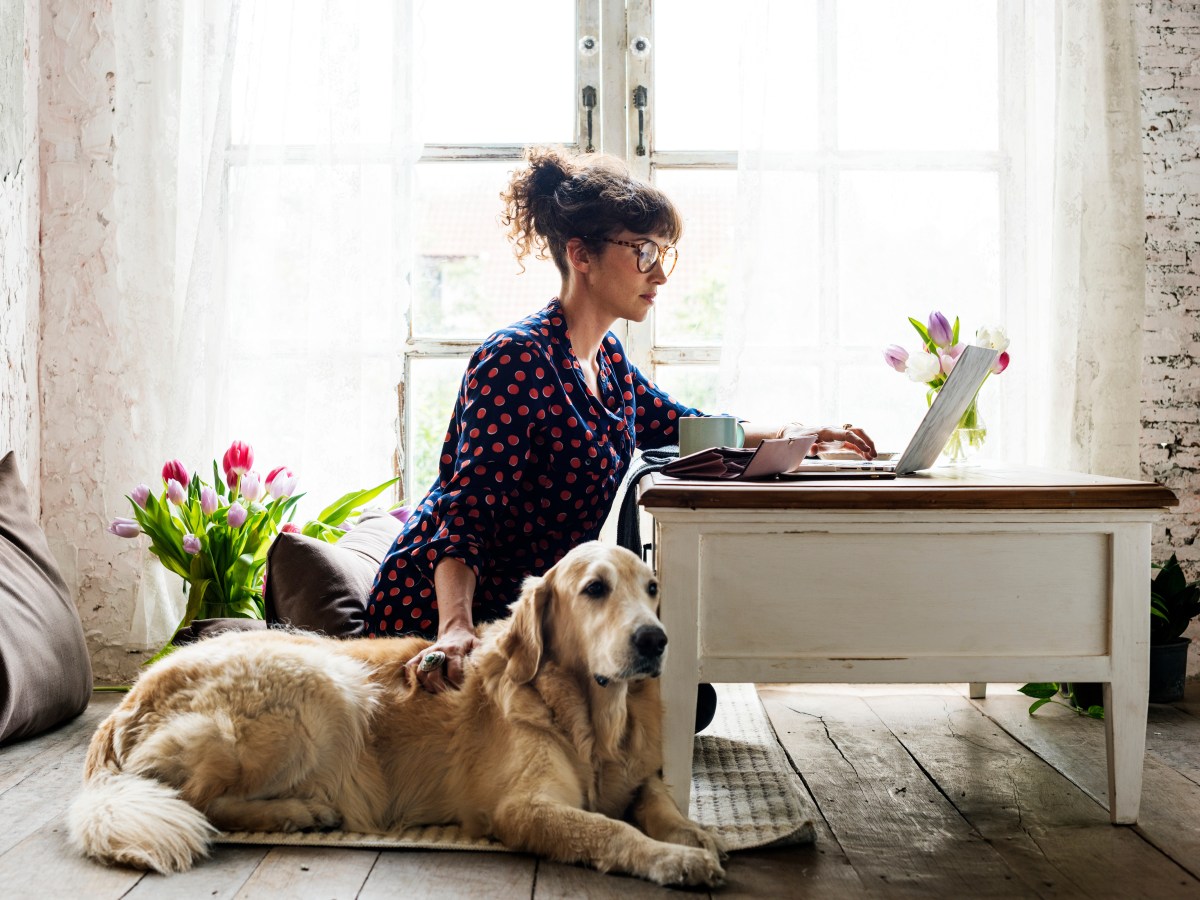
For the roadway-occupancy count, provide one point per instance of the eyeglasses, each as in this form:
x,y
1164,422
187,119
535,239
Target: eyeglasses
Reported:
x,y
649,253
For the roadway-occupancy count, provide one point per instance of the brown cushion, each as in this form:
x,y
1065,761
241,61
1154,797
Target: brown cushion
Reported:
x,y
323,587
45,672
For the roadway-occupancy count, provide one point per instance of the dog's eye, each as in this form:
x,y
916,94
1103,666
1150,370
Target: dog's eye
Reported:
x,y
596,588
652,589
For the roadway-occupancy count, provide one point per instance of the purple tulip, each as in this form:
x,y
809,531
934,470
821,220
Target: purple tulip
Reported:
x,y
940,331
175,492
140,494
126,528
191,544
208,500
896,357
251,486
237,515
402,513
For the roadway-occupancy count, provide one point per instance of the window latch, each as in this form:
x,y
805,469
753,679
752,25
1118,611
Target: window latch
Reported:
x,y
589,103
640,98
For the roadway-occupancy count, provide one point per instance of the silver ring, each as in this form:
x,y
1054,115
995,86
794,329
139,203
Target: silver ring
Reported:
x,y
434,659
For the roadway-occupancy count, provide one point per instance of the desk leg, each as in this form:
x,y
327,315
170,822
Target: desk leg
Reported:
x,y
977,690
678,577
1126,697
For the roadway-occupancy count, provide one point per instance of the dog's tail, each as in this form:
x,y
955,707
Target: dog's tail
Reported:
x,y
128,819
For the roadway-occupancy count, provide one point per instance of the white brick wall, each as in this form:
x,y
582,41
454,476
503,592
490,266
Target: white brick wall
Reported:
x,y
1170,83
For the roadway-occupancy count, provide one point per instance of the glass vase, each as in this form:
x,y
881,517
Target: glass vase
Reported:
x,y
967,438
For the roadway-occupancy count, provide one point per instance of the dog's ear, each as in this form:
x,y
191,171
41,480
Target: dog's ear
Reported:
x,y
523,642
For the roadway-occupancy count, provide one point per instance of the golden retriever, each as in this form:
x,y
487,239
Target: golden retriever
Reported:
x,y
552,745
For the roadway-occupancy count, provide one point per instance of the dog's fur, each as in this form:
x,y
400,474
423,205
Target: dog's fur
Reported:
x,y
552,745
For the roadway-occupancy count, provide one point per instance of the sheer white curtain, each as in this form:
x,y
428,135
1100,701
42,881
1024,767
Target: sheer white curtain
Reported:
x,y
263,177
1098,241
916,191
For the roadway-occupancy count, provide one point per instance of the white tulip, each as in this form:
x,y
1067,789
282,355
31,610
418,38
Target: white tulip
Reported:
x,y
923,366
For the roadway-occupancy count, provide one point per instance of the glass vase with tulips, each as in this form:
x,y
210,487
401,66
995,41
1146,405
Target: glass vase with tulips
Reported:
x,y
933,363
216,536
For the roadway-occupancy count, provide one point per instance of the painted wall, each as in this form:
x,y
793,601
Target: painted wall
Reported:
x,y
19,211
80,292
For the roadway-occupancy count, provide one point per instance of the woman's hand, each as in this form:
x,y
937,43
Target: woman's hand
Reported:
x,y
456,644
847,437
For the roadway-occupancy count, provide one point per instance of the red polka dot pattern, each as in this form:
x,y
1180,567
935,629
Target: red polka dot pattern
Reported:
x,y
525,473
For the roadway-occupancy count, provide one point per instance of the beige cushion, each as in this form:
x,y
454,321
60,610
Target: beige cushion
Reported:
x,y
45,672
323,587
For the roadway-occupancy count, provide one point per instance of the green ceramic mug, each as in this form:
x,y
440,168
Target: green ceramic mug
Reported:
x,y
701,432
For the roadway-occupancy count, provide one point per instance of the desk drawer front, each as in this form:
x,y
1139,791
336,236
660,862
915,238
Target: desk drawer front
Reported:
x,y
880,594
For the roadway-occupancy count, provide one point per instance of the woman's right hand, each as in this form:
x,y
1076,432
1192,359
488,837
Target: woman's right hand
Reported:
x,y
456,644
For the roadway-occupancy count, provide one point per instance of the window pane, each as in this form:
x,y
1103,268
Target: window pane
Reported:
x,y
912,242
315,330
691,305
918,75
699,98
694,385
430,394
325,77
487,72
466,281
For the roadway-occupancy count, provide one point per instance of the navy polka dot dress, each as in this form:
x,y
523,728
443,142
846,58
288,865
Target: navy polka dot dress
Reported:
x,y
530,467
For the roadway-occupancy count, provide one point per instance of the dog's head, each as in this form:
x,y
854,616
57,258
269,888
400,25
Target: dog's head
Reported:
x,y
596,610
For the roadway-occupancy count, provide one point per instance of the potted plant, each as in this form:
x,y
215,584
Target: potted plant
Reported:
x,y
1174,602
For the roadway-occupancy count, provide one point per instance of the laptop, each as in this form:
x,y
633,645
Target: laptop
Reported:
x,y
962,384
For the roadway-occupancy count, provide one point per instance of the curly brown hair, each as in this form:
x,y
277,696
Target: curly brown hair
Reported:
x,y
561,195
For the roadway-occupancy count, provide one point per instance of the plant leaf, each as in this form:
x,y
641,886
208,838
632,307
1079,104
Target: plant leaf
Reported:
x,y
1038,704
1041,690
336,512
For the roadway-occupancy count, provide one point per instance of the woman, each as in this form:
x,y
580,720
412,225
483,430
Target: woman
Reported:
x,y
548,415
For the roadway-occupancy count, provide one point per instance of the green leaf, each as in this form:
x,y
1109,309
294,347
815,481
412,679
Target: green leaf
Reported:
x,y
954,333
1038,704
1041,690
337,512
922,331
1095,712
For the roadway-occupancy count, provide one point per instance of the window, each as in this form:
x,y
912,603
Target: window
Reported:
x,y
900,191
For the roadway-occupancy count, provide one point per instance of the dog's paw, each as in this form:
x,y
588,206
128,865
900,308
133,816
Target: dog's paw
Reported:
x,y
690,866
693,835
324,817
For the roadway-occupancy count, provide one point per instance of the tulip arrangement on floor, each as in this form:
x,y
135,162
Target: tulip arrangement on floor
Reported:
x,y
933,363
215,537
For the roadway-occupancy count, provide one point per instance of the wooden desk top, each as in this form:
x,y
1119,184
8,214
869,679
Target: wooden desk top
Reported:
x,y
989,486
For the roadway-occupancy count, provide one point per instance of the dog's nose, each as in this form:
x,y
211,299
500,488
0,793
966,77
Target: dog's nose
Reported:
x,y
650,641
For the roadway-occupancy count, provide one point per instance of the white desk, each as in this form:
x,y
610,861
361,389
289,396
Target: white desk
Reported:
x,y
975,575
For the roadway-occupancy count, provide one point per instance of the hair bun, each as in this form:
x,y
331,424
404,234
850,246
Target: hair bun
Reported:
x,y
549,168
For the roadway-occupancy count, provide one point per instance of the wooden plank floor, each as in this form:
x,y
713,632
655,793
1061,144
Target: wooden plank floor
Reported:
x,y
922,793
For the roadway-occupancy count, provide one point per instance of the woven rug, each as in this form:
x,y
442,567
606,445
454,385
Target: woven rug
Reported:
x,y
743,787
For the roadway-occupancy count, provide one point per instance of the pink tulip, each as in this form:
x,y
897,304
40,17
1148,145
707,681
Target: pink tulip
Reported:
x,y
175,469
940,331
1001,363
175,492
237,461
251,486
896,357
140,495
208,500
237,515
191,544
949,357
126,528
281,482
290,528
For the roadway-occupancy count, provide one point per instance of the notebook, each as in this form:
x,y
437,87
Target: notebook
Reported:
x,y
962,384
770,458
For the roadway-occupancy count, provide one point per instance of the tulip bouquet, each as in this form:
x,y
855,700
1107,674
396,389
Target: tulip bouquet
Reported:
x,y
940,349
215,537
